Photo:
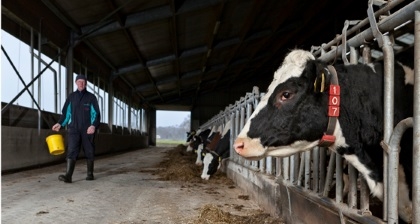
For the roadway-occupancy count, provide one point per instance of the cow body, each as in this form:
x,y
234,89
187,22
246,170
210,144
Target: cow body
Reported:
x,y
212,159
293,116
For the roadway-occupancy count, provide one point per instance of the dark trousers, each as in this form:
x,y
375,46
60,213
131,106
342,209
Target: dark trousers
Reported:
x,y
76,140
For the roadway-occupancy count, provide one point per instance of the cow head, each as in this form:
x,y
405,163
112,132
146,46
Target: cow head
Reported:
x,y
190,135
211,163
292,116
199,152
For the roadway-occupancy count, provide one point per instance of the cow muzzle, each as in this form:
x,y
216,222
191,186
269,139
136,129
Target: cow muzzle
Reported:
x,y
249,148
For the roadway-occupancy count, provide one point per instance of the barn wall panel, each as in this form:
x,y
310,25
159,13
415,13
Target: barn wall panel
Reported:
x,y
23,148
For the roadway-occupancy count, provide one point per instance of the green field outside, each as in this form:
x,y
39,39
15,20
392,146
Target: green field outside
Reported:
x,y
168,142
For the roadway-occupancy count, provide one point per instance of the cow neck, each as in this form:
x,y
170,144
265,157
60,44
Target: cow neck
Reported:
x,y
215,153
333,108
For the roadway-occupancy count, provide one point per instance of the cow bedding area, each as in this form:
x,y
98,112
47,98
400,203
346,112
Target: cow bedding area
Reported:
x,y
179,165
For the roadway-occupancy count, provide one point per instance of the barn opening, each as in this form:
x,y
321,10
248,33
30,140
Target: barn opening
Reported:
x,y
172,126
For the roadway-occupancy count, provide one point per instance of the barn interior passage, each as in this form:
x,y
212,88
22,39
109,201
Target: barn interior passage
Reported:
x,y
213,59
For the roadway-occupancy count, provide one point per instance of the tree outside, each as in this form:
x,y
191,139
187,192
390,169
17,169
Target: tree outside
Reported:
x,y
175,132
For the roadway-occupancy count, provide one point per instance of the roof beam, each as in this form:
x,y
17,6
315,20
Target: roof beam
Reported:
x,y
147,16
174,42
133,46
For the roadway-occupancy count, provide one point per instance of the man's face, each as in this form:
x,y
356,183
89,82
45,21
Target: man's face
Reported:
x,y
81,84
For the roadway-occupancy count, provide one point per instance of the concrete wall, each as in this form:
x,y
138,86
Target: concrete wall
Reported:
x,y
24,147
295,205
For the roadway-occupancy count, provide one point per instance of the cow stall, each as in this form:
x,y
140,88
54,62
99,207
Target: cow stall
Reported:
x,y
317,186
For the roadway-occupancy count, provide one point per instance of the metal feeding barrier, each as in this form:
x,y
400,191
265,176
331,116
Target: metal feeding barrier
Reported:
x,y
319,169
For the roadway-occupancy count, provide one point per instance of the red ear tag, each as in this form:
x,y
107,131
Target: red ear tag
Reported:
x,y
326,140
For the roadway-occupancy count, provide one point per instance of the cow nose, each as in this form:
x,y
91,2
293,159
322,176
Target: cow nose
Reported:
x,y
239,146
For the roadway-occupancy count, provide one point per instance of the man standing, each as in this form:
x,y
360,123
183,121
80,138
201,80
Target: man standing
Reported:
x,y
81,113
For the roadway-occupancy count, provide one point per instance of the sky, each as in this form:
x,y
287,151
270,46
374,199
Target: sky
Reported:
x,y
170,118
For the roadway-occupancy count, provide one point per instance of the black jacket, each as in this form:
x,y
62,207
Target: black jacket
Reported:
x,y
80,111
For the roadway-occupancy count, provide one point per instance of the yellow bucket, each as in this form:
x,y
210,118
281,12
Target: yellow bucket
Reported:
x,y
55,144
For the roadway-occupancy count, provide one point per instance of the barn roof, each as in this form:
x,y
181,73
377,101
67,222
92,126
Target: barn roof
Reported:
x,y
172,52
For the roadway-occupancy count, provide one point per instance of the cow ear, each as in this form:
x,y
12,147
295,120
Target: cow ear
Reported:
x,y
318,75
320,81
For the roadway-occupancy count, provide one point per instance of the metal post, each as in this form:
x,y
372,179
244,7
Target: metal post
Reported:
x,y
322,169
233,155
416,122
285,169
236,131
330,174
352,194
307,169
315,170
32,64
385,43
338,178
301,168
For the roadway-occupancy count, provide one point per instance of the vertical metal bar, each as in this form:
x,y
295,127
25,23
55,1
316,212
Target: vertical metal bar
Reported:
x,y
233,155
59,83
364,190
338,178
301,168
352,183
352,194
390,162
307,169
416,122
354,55
296,167
236,131
277,167
292,168
269,161
322,169
294,172
241,125
32,64
364,196
39,82
286,170
315,170
366,54
330,174
386,45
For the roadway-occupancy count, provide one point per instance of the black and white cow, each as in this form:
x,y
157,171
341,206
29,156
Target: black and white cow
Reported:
x,y
294,115
198,138
209,144
190,136
212,159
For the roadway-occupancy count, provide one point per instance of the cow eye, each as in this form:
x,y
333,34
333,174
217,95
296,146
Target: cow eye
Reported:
x,y
285,96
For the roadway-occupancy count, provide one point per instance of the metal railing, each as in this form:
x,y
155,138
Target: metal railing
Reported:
x,y
318,170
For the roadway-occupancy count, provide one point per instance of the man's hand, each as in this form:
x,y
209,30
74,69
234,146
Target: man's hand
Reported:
x,y
91,129
56,127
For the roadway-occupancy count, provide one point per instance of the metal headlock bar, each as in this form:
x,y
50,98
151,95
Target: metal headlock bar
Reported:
x,y
309,171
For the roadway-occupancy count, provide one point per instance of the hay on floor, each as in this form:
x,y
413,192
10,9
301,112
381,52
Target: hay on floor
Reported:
x,y
211,214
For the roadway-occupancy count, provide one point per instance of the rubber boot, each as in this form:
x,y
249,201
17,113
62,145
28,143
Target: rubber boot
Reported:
x,y
89,170
69,172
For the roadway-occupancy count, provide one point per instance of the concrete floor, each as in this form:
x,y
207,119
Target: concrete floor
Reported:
x,y
124,191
